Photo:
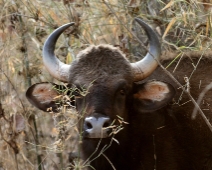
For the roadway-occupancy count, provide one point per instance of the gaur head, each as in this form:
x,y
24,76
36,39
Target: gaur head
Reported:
x,y
106,83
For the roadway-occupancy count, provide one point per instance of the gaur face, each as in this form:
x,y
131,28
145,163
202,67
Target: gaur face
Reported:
x,y
105,88
104,82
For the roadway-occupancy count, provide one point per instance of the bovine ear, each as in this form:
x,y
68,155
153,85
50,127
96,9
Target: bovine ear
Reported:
x,y
152,95
42,95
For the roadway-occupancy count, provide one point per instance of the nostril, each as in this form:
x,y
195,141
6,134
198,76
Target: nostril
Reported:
x,y
97,127
89,125
96,124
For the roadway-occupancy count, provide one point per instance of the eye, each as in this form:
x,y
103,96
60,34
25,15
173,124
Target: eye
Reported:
x,y
122,92
77,93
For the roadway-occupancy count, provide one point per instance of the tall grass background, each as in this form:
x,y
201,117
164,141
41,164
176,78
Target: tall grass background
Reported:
x,y
31,139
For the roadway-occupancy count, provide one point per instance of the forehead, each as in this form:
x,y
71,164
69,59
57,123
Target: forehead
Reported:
x,y
101,64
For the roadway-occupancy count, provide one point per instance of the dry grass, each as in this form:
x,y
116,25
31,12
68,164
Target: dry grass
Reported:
x,y
29,136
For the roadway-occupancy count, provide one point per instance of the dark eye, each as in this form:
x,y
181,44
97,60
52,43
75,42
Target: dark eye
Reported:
x,y
122,92
76,93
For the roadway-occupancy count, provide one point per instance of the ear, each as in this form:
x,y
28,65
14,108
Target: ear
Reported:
x,y
42,95
152,95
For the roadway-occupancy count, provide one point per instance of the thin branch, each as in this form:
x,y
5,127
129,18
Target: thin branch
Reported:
x,y
29,83
14,89
109,161
202,94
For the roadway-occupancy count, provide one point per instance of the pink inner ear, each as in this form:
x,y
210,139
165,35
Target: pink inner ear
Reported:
x,y
44,93
155,91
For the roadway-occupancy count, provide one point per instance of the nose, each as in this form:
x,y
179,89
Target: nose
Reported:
x,y
97,127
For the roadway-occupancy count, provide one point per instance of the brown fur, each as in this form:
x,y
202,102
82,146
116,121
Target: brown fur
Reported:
x,y
194,135
100,63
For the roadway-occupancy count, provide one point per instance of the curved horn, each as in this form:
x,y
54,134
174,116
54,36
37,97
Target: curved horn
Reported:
x,y
148,64
56,68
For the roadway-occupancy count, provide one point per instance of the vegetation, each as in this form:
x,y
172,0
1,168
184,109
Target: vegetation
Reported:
x,y
30,139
